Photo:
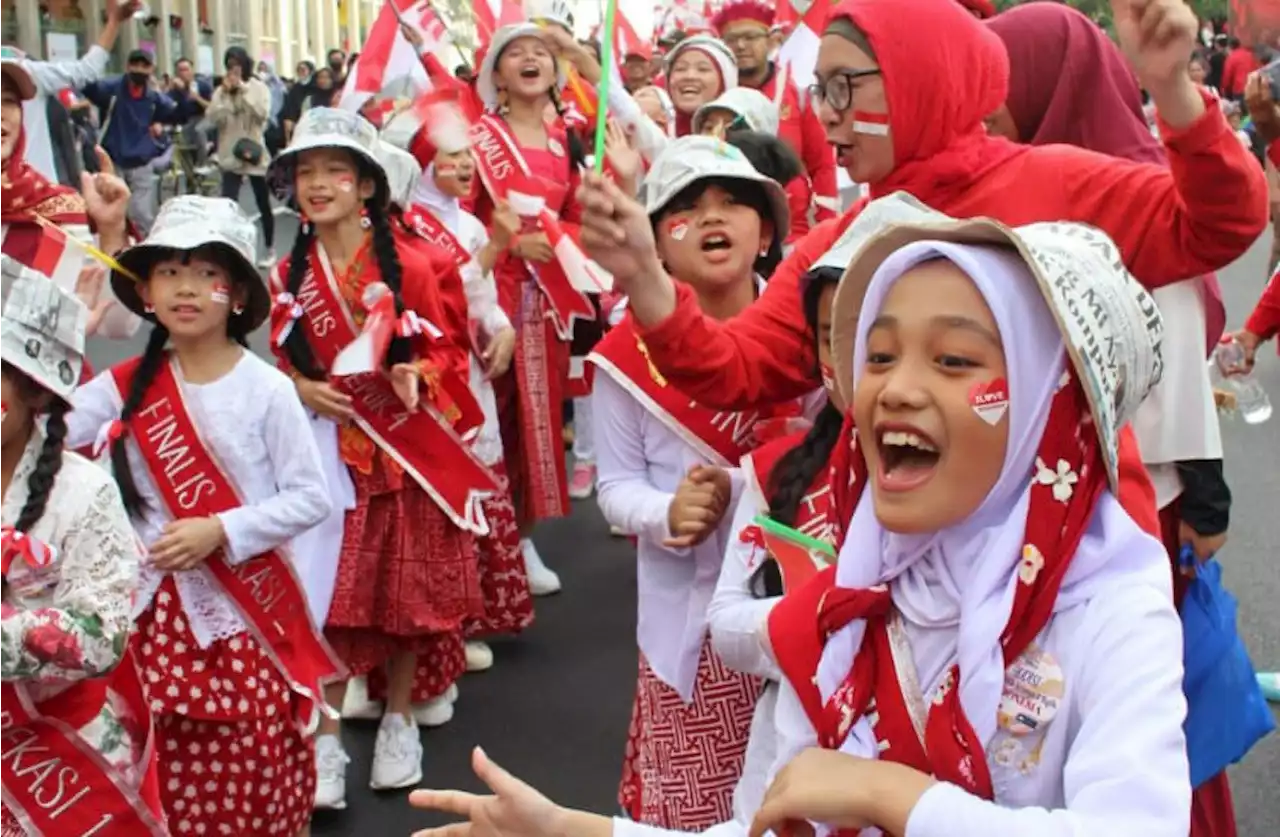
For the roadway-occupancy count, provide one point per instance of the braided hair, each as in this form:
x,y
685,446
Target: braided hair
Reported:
x,y
49,460
153,357
577,154
297,347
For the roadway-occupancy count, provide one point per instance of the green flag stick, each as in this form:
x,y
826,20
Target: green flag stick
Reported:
x,y
795,536
602,96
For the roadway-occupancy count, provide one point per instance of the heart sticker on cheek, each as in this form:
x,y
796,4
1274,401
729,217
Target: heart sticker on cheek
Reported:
x,y
678,230
221,293
990,400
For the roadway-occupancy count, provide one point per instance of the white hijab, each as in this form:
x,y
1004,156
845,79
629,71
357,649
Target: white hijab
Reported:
x,y
448,209
965,577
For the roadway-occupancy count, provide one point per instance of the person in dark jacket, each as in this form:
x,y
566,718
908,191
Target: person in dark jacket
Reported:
x,y
132,110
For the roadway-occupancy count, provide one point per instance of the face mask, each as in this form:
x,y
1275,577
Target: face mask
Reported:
x,y
139,79
336,65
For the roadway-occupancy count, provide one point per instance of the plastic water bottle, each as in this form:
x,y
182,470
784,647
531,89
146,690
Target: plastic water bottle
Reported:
x,y
1251,398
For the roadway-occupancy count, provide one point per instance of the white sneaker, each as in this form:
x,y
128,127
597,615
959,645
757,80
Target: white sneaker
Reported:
x,y
617,532
451,693
543,581
397,754
479,656
356,706
331,774
436,712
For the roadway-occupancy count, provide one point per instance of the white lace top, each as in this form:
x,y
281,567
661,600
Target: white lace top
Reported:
x,y
70,621
254,423
483,308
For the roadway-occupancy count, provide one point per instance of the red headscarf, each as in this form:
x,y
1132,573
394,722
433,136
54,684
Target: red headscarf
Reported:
x,y
27,194
1070,85
938,97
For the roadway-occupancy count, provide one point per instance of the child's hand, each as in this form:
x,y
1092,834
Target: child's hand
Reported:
x,y
698,506
624,160
404,380
321,397
506,225
497,355
1203,547
185,543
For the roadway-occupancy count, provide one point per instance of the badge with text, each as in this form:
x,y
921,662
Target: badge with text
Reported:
x,y
1033,692
990,400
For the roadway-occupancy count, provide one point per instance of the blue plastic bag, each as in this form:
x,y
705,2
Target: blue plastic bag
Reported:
x,y
1226,712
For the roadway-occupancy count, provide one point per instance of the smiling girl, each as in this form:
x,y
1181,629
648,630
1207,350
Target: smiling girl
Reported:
x,y
699,70
663,476
407,578
219,471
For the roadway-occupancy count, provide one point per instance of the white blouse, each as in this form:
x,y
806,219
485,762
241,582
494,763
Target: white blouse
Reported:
x,y
255,425
1111,763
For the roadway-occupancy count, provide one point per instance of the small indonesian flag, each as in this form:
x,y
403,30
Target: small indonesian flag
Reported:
x,y
799,52
388,61
799,557
367,351
57,257
875,124
584,274
14,544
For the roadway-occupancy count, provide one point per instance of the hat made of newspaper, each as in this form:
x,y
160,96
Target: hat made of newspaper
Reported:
x,y
328,128
689,159
43,330
12,65
190,222
756,110
402,172
1110,324
486,86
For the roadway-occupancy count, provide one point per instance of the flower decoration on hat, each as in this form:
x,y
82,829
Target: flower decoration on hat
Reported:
x,y
743,10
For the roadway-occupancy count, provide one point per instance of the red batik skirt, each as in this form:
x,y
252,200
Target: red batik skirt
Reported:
x,y
683,760
406,574
231,757
1212,812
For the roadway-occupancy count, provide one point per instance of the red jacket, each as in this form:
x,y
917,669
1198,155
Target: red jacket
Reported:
x,y
1236,69
1265,319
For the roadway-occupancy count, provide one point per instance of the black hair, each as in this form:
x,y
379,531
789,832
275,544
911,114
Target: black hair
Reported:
x,y
577,154
238,55
297,347
332,52
49,460
152,358
769,155
749,193
796,469
182,60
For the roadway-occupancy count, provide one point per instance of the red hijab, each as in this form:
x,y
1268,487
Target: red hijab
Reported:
x,y
28,194
1070,85
938,94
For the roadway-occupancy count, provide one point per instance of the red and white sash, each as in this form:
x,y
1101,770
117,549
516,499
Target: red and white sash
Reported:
x,y
815,516
264,589
722,437
423,443
424,222
563,281
55,784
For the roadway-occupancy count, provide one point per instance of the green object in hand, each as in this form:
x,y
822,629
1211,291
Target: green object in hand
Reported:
x,y
606,62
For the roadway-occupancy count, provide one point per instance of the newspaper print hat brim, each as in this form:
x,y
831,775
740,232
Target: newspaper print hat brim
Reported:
x,y
1110,324
187,223
486,87
43,329
686,160
329,128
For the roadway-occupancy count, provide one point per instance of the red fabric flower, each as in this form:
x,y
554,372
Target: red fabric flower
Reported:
x,y
53,644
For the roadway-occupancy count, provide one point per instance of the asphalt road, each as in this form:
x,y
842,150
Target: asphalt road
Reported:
x,y
555,707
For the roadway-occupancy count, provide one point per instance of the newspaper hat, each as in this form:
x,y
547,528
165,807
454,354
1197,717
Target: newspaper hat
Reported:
x,y
748,104
1110,325
692,158
717,50
43,330
328,128
15,73
189,222
402,172
486,87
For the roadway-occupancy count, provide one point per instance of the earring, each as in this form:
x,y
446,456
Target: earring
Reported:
x,y
764,251
305,225
365,221
503,107
148,308
237,309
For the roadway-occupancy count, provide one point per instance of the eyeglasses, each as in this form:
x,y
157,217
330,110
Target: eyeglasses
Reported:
x,y
837,89
744,38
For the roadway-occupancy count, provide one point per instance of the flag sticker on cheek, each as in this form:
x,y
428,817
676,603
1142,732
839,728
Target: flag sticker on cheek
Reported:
x,y
990,400
221,293
678,230
346,183
874,124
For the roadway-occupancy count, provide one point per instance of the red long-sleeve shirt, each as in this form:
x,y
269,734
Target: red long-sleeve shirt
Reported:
x,y
1236,69
1265,319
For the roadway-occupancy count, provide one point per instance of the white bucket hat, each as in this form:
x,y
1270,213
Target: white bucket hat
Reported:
x,y
187,223
11,64
328,128
43,329
748,104
716,49
550,11
1110,325
402,171
486,88
689,159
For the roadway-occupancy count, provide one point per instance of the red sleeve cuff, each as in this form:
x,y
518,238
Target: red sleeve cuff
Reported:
x,y
1273,153
1199,135
671,331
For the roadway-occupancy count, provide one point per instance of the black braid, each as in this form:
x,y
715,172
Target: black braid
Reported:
x,y
577,154
796,470
384,250
146,372
296,346
48,463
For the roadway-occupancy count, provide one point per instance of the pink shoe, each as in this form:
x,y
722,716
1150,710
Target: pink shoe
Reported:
x,y
583,482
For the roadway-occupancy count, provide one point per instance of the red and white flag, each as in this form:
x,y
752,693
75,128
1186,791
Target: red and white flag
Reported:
x,y
58,257
800,51
389,63
492,15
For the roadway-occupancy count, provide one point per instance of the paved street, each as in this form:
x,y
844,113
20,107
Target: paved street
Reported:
x,y
555,707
